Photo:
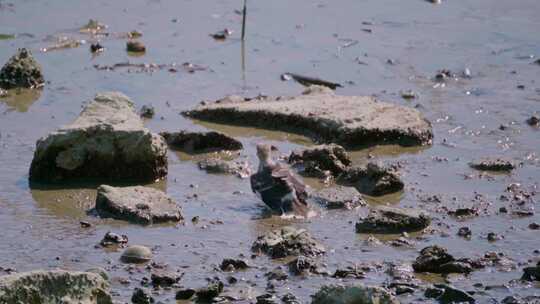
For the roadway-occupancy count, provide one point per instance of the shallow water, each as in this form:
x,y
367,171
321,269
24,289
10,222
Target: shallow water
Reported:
x,y
40,228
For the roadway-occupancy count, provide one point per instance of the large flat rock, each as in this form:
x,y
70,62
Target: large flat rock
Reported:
x,y
107,142
137,204
56,286
324,116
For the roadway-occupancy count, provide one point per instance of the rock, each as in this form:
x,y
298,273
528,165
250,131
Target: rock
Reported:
x,y
221,166
21,71
266,299
436,259
147,111
464,212
136,254
319,113
531,273
288,241
493,164
141,296
185,294
277,274
321,158
534,226
214,288
409,94
51,286
534,121
135,46
372,179
111,239
493,237
353,294
98,270
289,298
303,265
164,278
201,142
465,232
107,142
384,219
339,197
137,204
349,272
233,264
447,294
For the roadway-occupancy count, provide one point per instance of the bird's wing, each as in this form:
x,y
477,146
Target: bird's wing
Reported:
x,y
283,174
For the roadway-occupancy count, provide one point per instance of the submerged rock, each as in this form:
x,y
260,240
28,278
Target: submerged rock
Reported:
x,y
384,219
493,164
135,46
233,264
339,197
136,254
221,166
21,71
113,239
531,273
447,294
372,179
288,241
107,142
353,294
201,142
137,204
319,113
304,265
318,159
533,121
51,286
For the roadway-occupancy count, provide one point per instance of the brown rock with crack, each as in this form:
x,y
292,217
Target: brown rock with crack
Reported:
x,y
324,116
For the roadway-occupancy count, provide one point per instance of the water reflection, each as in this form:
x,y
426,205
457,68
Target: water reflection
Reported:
x,y
20,100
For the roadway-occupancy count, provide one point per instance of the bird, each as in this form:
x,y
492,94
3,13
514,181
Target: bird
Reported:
x,y
277,185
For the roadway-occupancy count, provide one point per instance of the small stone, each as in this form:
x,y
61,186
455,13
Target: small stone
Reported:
x,y
111,238
96,47
408,94
492,237
339,197
493,164
392,220
288,241
236,264
185,294
277,274
163,278
136,254
211,291
534,121
465,232
135,46
358,293
534,226
147,111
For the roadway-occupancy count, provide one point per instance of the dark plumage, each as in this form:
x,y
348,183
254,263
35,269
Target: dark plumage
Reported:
x,y
278,187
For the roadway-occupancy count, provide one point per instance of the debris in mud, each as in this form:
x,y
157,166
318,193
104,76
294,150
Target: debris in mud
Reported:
x,y
92,27
493,164
96,47
201,142
465,232
107,142
305,265
534,121
114,239
339,197
464,212
436,259
318,159
309,81
319,113
408,94
50,286
447,294
358,293
136,254
21,71
135,46
137,204
221,35
164,278
141,296
373,179
221,166
384,219
288,241
148,111
152,67
230,265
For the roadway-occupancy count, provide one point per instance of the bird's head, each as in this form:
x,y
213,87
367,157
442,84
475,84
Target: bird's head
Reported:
x,y
263,152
